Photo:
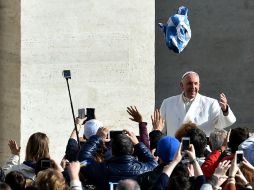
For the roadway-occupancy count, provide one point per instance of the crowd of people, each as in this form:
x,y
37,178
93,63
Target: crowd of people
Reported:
x,y
212,159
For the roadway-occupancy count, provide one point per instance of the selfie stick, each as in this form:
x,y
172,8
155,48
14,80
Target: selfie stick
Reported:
x,y
69,77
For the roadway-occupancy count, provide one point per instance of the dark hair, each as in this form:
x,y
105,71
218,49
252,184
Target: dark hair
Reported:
x,y
99,155
16,180
181,169
4,186
237,136
179,183
155,137
121,145
198,139
179,179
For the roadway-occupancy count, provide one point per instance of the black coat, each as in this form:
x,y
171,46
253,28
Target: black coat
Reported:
x,y
148,179
117,168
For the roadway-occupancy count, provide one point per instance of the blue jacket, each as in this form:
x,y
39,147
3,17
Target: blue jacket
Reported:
x,y
248,147
115,169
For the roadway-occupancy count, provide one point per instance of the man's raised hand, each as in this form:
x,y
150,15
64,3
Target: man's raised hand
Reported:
x,y
157,120
15,149
134,113
223,102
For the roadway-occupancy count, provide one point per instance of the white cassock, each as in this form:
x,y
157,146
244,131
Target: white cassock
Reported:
x,y
204,111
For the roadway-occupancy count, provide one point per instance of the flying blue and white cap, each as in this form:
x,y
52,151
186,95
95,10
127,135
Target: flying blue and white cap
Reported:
x,y
177,30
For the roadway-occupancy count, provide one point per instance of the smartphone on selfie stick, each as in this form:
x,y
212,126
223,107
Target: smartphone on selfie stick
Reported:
x,y
67,76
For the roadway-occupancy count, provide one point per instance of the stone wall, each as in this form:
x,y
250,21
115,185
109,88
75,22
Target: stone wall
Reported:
x,y
9,75
109,48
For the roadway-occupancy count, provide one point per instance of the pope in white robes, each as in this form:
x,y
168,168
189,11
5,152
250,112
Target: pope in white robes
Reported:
x,y
190,106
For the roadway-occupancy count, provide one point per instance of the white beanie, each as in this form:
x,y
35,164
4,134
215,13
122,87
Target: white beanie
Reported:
x,y
206,186
91,127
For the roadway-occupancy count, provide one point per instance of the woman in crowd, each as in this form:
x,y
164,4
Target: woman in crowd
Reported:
x,y
36,149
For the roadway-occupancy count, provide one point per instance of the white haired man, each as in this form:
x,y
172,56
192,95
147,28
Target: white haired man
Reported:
x,y
188,106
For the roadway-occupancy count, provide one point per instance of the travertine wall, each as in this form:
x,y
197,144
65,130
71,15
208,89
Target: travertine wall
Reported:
x,y
9,75
109,48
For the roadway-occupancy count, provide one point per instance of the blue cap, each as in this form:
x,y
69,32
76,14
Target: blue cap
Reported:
x,y
167,147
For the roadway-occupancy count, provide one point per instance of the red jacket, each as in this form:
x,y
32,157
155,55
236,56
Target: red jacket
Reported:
x,y
211,163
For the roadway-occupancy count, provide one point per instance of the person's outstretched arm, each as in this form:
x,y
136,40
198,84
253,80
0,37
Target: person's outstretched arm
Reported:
x,y
226,116
158,125
137,117
72,148
73,170
14,158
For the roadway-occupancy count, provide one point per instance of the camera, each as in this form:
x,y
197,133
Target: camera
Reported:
x,y
185,143
239,156
90,113
45,164
113,134
82,113
67,74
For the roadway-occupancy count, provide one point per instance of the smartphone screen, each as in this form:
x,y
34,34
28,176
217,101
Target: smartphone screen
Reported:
x,y
185,143
81,113
90,113
239,156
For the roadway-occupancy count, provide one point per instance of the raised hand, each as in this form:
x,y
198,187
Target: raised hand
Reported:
x,y
132,136
222,168
15,149
223,102
226,140
64,163
157,120
221,171
80,121
134,113
73,170
191,152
